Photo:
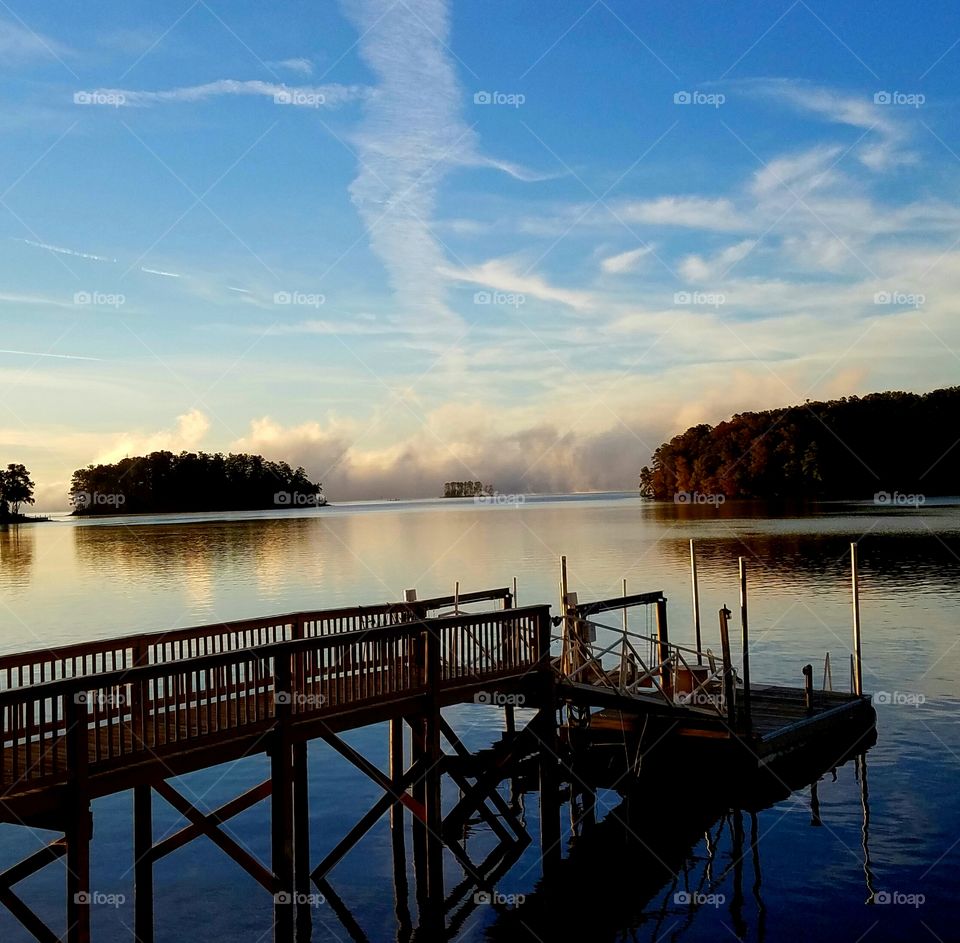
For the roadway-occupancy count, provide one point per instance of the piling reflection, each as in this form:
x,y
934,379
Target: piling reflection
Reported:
x,y
667,858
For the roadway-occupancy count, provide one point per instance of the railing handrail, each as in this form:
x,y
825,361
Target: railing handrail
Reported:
x,y
111,679
37,656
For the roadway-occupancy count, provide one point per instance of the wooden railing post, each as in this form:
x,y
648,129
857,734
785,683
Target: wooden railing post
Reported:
x,y
546,731
729,688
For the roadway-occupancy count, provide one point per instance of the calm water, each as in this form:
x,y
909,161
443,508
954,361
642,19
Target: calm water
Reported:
x,y
72,581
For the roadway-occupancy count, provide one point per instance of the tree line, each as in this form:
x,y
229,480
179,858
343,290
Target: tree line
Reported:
x,y
847,448
163,482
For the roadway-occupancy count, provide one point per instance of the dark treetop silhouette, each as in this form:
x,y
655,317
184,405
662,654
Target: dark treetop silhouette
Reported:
x,y
847,448
191,481
16,489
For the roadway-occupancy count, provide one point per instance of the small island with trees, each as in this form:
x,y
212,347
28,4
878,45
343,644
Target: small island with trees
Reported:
x,y
16,490
853,447
466,489
164,482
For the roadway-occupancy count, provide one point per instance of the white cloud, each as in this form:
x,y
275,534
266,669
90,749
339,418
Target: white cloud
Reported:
x,y
189,432
698,268
692,212
300,65
503,275
306,95
61,250
627,261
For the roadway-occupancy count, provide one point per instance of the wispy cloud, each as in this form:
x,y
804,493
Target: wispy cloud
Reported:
x,y
34,353
691,212
62,250
887,135
627,261
20,44
314,96
299,65
505,275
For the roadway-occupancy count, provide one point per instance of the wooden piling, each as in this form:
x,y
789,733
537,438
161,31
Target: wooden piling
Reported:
x,y
80,821
547,735
808,687
301,842
281,810
143,863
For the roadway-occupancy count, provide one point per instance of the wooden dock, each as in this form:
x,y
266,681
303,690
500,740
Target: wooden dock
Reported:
x,y
85,721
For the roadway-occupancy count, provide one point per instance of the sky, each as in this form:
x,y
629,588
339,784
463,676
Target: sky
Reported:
x,y
407,241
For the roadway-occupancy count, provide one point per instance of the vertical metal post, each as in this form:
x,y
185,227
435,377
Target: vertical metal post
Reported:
x,y
857,657
143,863
696,599
745,635
663,649
567,665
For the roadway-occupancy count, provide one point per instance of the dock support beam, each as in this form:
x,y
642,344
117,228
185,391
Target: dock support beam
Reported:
x,y
143,863
301,842
281,817
80,829
546,732
433,783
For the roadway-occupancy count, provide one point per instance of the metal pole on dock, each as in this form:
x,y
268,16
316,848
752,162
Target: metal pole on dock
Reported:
x,y
857,658
696,599
566,656
745,634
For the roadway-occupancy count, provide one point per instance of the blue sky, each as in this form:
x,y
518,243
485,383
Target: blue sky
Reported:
x,y
404,242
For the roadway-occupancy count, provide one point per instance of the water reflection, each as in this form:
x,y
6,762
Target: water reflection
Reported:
x,y
16,554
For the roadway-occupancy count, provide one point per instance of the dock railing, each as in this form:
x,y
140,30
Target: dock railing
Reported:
x,y
119,717
116,654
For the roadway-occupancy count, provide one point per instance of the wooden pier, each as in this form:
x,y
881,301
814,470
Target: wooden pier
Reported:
x,y
85,721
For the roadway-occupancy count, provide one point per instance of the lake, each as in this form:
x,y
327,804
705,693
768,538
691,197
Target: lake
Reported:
x,y
783,872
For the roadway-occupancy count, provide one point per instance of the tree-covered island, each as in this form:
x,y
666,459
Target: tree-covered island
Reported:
x,y
163,482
